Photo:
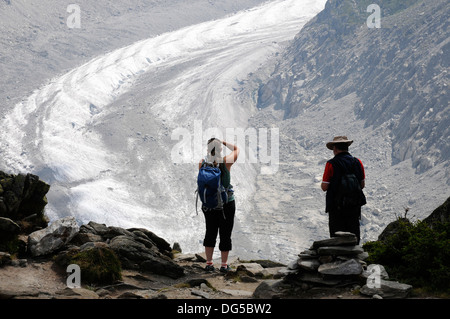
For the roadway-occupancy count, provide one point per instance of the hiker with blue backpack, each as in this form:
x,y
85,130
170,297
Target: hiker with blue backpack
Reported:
x,y
343,180
215,191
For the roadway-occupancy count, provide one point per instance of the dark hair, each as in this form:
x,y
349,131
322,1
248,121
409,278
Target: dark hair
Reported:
x,y
213,150
342,146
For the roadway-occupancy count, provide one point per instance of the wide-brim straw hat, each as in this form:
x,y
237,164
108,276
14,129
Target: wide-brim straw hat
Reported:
x,y
339,139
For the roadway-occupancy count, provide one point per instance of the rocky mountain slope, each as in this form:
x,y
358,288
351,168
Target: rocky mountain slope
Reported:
x,y
386,88
399,73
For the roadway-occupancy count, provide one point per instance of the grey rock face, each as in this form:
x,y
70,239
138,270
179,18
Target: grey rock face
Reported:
x,y
387,289
52,238
398,73
339,268
22,195
268,289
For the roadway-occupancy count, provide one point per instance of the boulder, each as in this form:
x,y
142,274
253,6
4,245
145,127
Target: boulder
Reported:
x,y
375,269
136,255
341,268
130,252
136,248
269,289
162,265
52,238
161,243
387,289
22,195
141,235
252,269
94,228
34,198
83,238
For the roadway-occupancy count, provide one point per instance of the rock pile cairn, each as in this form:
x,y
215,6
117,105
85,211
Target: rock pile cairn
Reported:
x,y
339,262
331,262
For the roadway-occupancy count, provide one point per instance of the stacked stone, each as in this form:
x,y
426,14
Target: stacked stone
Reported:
x,y
331,262
338,262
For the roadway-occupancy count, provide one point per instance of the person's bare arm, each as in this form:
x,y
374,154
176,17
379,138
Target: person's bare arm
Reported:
x,y
231,158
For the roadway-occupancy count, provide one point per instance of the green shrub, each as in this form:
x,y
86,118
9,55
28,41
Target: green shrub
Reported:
x,y
416,254
98,265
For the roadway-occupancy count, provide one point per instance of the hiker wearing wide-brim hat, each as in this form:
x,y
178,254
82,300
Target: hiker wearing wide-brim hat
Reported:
x,y
343,180
339,140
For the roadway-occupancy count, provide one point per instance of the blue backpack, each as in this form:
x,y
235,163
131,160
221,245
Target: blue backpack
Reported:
x,y
210,190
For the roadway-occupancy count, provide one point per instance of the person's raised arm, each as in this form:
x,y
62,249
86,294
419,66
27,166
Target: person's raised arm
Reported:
x,y
231,158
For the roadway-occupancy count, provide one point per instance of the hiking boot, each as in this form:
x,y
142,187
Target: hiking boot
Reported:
x,y
224,269
209,268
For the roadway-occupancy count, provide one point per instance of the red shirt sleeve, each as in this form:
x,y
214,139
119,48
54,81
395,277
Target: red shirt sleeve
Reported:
x,y
328,173
362,168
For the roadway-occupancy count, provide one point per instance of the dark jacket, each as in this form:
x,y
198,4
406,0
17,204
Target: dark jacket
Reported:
x,y
342,163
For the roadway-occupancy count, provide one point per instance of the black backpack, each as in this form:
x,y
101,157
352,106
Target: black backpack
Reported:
x,y
349,194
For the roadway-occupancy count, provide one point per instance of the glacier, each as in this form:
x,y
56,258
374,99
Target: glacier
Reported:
x,y
102,134
119,137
